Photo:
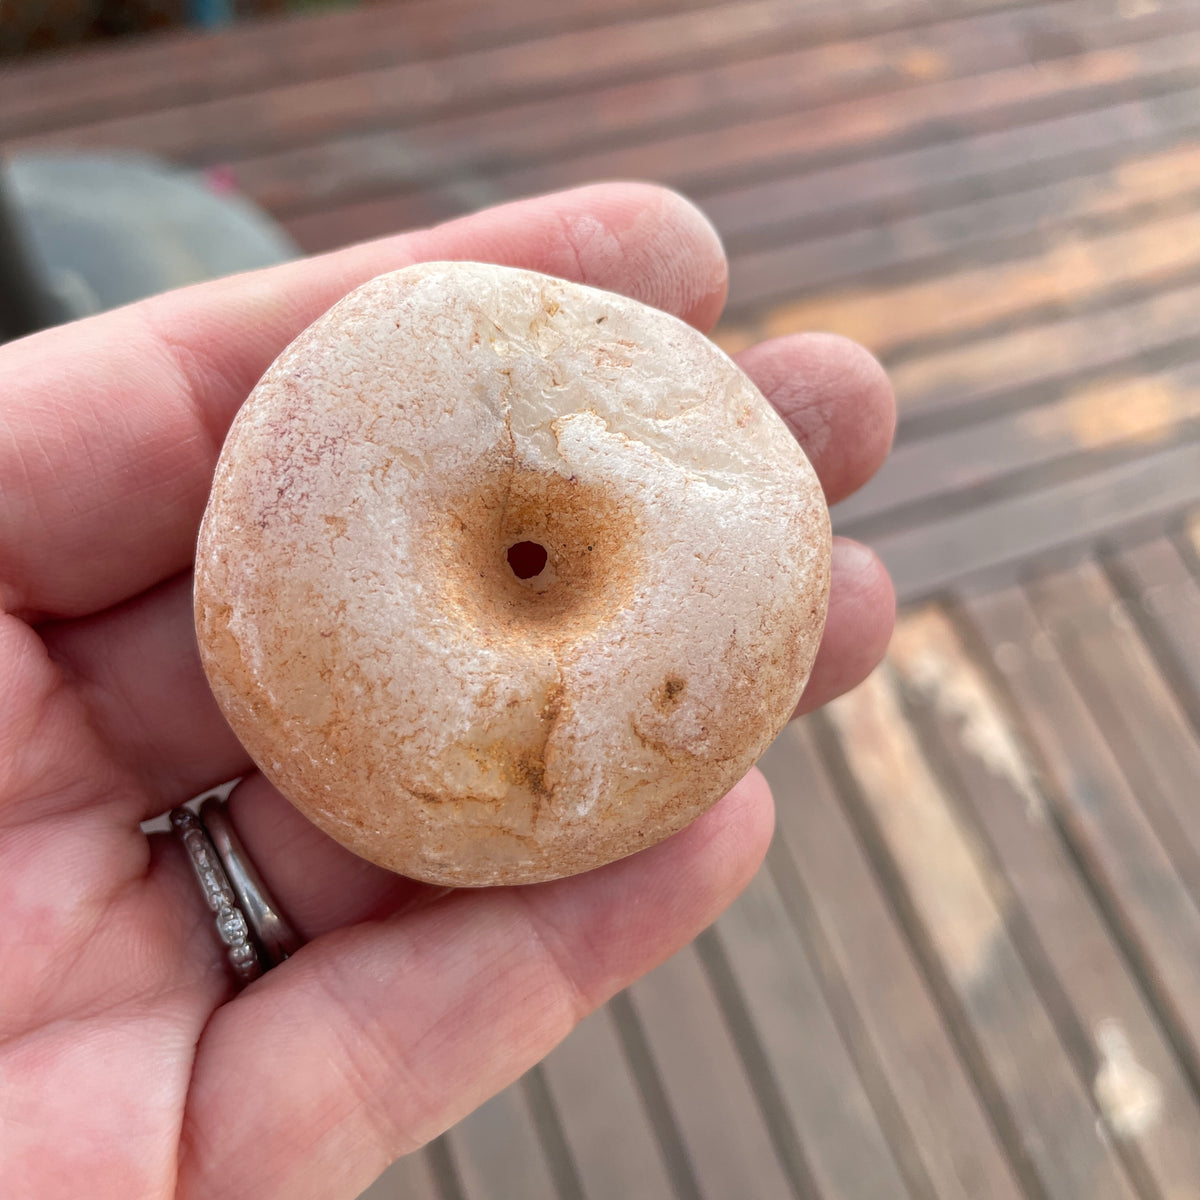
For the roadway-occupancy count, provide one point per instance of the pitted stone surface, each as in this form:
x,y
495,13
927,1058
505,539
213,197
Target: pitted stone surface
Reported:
x,y
369,643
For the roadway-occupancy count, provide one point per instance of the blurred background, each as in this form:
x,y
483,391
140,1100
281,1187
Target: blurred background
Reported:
x,y
971,966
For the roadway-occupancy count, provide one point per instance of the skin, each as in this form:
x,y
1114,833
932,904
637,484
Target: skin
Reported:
x,y
129,1066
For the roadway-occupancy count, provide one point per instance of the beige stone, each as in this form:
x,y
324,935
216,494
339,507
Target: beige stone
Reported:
x,y
369,642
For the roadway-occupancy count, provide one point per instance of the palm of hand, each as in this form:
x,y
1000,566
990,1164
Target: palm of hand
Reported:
x,y
128,1066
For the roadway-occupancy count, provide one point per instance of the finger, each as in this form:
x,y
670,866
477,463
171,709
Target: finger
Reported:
x,y
836,399
862,611
376,1039
111,426
319,884
137,668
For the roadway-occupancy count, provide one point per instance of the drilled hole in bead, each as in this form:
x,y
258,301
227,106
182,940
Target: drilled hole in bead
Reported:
x,y
527,560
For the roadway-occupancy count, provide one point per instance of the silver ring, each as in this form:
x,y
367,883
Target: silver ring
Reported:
x,y
232,927
276,938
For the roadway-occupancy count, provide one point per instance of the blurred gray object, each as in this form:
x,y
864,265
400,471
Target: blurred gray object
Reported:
x,y
83,233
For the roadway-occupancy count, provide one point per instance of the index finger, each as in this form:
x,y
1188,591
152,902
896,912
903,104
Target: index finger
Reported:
x,y
111,427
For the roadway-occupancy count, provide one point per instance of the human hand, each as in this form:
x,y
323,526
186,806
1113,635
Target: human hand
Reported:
x,y
129,1067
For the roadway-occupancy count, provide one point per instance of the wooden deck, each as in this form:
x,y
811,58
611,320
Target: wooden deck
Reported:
x,y
971,967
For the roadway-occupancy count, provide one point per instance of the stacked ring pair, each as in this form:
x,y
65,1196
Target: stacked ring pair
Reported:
x,y
249,923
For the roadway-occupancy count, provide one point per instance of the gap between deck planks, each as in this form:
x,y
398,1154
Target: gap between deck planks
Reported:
x,y
1070,270
943,389
497,1153
928,97
409,1178
814,1103
608,1127
1142,719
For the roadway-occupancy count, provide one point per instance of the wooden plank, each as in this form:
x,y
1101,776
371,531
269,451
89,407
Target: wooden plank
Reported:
x,y
1096,417
1143,1096
949,238
162,71
335,172
301,112
362,220
989,101
890,183
960,924
1164,598
706,1084
306,110
1070,271
918,177
1148,732
409,1178
843,1147
1128,868
886,1013
926,559
979,374
173,70
390,160
496,1151
603,1117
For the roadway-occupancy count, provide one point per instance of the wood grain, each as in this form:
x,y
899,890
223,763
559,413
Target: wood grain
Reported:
x,y
977,376
1141,411
708,1089
963,926
497,1154
988,101
844,1148
1070,271
946,239
311,109
1109,833
1144,1098
896,1033
1163,598
1142,720
172,70
1040,522
603,1117
409,1178
342,169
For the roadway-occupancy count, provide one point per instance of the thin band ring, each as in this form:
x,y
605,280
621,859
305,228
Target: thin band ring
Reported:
x,y
275,936
232,926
